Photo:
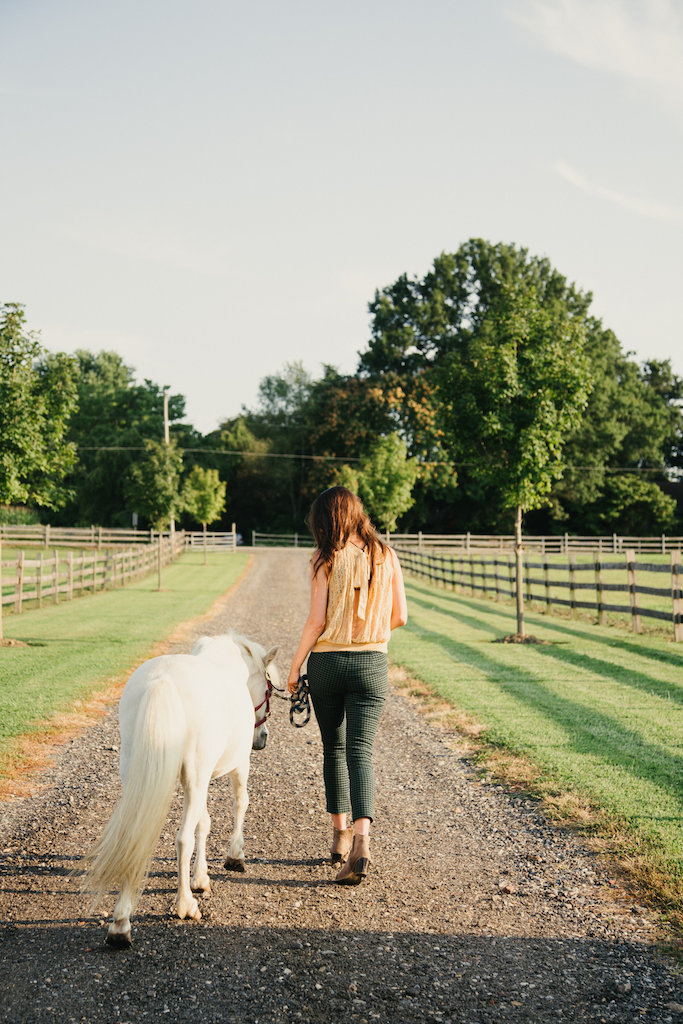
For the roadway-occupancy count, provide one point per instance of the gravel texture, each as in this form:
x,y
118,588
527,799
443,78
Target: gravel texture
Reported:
x,y
476,909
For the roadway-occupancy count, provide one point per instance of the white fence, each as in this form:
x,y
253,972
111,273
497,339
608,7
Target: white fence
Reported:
x,y
99,537
557,544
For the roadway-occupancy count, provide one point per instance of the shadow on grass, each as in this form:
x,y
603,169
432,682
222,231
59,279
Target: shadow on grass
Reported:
x,y
559,625
589,733
597,666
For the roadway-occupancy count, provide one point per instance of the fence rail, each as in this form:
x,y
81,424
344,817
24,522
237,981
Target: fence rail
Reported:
x,y
551,544
61,576
72,536
281,540
586,583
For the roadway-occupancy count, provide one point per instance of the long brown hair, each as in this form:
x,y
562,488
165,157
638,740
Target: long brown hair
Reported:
x,y
335,516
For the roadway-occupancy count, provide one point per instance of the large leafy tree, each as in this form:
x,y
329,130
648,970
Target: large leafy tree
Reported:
x,y
492,343
511,394
115,417
153,484
37,397
632,418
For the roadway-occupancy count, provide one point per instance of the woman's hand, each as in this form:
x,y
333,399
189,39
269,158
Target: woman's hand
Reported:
x,y
293,681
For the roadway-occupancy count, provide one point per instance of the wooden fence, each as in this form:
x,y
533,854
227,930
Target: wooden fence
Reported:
x,y
62,576
72,536
587,584
546,545
281,540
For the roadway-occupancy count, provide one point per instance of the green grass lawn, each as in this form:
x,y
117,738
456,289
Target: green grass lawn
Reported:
x,y
598,712
75,648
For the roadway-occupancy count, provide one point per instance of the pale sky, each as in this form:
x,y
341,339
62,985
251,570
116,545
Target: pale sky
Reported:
x,y
212,189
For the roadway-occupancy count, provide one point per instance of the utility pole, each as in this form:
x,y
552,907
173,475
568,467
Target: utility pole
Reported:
x,y
167,441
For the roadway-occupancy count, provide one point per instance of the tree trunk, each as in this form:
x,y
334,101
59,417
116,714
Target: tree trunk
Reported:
x,y
520,571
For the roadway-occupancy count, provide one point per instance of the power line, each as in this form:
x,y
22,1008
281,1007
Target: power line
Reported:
x,y
352,458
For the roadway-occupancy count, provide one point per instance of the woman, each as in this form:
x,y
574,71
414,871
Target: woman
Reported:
x,y
357,598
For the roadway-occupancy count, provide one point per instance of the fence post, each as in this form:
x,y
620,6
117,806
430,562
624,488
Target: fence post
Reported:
x,y
572,582
633,591
599,581
676,594
253,538
566,543
419,539
546,580
614,543
47,535
70,576
55,577
467,542
20,584
39,579
296,540
663,543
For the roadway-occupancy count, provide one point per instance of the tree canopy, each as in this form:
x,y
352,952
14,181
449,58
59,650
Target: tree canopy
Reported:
x,y
37,396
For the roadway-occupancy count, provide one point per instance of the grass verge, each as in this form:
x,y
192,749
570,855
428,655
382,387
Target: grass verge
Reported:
x,y
589,721
77,655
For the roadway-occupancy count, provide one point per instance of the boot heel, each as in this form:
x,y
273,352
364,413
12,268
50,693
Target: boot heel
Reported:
x,y
361,866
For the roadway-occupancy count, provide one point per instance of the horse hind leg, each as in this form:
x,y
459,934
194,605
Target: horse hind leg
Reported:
x,y
194,806
235,858
200,875
118,934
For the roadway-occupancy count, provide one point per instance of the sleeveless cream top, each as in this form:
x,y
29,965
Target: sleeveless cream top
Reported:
x,y
358,609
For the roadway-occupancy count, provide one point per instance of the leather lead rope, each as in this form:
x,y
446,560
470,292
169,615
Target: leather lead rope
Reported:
x,y
300,704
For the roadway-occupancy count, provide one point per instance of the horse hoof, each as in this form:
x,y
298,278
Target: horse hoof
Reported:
x,y
233,864
118,940
189,909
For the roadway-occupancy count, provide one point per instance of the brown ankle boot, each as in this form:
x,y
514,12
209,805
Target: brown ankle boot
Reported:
x,y
357,863
342,839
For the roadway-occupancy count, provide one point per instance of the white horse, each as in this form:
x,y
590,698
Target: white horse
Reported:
x,y
192,717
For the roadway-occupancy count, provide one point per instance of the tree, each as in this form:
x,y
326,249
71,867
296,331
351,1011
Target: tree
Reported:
x,y
489,350
203,496
385,481
115,417
152,485
633,506
37,397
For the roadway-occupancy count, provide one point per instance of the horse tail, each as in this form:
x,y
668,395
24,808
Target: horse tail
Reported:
x,y
123,853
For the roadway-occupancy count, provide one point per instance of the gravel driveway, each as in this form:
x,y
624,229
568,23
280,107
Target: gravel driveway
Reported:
x,y
475,910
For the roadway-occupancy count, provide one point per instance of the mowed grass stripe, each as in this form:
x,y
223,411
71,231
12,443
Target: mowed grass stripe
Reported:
x,y
79,647
633,698
603,720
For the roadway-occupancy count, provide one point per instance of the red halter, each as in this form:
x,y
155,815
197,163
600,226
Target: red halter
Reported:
x,y
266,701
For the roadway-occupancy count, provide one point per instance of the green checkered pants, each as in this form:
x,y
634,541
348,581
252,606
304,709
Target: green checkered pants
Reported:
x,y
348,690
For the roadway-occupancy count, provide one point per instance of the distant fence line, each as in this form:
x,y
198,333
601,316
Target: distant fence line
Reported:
x,y
552,544
495,577
34,577
47,536
61,576
281,540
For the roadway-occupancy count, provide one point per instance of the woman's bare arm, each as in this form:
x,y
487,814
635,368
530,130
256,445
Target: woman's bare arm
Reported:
x,y
399,609
313,627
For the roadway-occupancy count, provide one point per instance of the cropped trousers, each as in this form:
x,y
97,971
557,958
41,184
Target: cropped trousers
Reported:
x,y
348,690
